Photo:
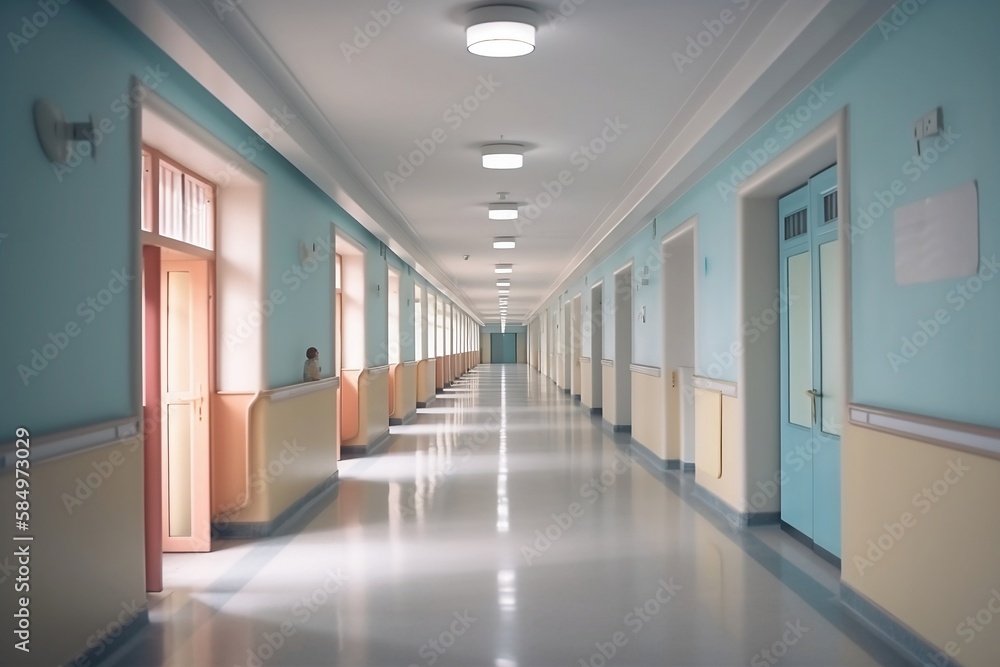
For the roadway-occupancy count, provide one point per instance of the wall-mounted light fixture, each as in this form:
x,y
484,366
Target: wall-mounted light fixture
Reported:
x,y
57,135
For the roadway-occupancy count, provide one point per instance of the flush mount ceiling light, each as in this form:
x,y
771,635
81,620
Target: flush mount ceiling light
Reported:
x,y
504,268
503,290
504,243
503,283
503,156
501,31
503,209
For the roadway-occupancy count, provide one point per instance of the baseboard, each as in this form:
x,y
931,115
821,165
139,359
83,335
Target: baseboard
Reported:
x,y
410,416
576,398
378,443
566,391
241,530
105,650
596,411
893,631
646,456
731,514
616,428
809,543
427,403
687,467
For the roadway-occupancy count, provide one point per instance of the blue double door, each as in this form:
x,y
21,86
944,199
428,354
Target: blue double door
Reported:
x,y
811,360
503,348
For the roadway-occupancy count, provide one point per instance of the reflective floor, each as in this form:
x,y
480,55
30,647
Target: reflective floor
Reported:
x,y
505,528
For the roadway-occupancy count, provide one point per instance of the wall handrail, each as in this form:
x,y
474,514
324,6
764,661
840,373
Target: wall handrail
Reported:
x,y
300,389
981,440
74,441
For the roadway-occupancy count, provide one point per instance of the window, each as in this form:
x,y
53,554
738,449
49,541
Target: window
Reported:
x,y
176,203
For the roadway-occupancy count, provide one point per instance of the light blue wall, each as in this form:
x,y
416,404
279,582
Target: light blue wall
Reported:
x,y
944,54
66,235
407,312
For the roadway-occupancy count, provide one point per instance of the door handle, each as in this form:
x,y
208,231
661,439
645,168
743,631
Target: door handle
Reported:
x,y
201,400
813,395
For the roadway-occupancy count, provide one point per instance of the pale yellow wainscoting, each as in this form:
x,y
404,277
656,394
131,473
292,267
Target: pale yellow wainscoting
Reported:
x,y
921,538
371,385
86,514
485,348
648,405
586,383
720,459
608,392
406,391
230,449
291,449
575,380
439,371
425,381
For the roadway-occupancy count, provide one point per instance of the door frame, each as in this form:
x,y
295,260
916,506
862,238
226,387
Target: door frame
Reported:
x,y
757,286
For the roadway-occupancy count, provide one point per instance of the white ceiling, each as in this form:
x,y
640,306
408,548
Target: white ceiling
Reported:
x,y
606,62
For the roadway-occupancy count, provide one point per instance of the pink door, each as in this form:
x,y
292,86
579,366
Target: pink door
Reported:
x,y
185,392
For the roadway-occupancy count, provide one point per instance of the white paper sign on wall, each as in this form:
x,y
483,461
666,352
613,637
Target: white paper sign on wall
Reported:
x,y
937,238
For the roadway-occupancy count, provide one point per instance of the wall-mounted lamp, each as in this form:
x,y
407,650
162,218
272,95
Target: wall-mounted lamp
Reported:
x,y
56,134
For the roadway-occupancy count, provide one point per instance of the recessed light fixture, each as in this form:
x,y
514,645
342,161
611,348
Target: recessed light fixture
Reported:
x,y
501,31
504,243
503,290
504,268
503,156
504,282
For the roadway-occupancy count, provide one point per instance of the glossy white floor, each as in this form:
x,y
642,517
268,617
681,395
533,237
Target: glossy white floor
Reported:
x,y
504,528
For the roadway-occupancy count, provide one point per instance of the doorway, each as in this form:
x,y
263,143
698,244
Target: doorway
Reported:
x,y
503,348
349,345
621,419
596,346
679,341
178,233
810,330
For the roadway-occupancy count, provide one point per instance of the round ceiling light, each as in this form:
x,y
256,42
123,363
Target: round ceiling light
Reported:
x,y
501,31
503,211
503,156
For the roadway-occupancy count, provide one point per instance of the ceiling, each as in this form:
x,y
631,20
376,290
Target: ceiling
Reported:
x,y
611,75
